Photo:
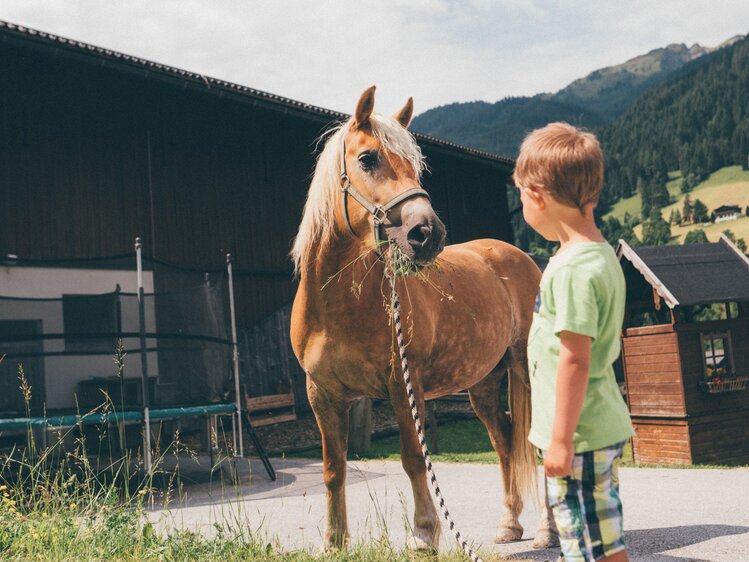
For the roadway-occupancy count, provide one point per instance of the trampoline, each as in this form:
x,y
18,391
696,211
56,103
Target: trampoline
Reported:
x,y
170,329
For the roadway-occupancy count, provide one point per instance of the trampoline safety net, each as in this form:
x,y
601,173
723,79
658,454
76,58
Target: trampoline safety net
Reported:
x,y
61,321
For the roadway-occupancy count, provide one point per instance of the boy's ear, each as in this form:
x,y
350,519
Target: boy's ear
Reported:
x,y
536,196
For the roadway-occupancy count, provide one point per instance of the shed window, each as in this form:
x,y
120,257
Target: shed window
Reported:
x,y
91,322
717,355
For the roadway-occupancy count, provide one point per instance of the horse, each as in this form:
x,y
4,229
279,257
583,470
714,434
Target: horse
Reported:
x,y
468,309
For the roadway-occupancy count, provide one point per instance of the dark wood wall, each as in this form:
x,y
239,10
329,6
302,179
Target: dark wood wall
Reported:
x,y
94,153
699,402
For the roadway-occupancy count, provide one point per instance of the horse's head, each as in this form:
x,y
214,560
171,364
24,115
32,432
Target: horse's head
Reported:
x,y
382,199
366,188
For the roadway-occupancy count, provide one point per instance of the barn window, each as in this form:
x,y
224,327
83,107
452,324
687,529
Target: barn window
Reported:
x,y
91,322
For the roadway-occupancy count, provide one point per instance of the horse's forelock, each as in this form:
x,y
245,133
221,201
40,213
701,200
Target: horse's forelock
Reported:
x,y
397,140
317,219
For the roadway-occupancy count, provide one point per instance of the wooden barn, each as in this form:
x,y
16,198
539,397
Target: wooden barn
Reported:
x,y
98,147
686,352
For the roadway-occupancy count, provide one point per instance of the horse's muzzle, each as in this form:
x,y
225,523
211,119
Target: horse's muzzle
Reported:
x,y
426,240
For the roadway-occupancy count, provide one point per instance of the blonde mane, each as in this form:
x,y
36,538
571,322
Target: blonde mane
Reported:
x,y
318,224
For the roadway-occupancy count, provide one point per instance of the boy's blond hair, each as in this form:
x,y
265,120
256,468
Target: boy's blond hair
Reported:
x,y
565,161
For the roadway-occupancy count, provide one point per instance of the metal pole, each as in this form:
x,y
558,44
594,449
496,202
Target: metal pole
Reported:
x,y
143,361
235,358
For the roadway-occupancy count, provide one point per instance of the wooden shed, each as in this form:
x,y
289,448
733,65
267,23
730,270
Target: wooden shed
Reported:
x,y
685,350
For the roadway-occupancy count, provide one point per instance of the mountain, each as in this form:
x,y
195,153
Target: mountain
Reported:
x,y
592,102
609,91
499,127
696,122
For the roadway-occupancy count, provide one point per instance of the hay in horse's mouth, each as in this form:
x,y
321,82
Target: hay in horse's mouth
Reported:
x,y
400,263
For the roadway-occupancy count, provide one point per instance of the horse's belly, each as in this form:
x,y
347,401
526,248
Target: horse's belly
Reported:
x,y
469,342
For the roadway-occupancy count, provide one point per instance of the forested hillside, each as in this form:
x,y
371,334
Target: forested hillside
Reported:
x,y
591,102
697,122
501,126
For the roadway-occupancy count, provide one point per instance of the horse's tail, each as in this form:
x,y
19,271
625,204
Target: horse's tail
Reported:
x,y
523,474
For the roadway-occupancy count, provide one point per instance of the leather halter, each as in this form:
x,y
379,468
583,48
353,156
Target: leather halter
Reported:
x,y
379,212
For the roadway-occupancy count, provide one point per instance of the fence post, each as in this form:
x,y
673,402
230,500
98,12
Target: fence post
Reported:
x,y
235,361
143,361
431,425
360,426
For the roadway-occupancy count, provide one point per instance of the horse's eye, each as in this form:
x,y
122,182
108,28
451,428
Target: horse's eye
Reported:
x,y
368,160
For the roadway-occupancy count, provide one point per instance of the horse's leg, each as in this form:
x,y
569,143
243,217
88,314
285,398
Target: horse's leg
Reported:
x,y
547,535
332,419
486,403
426,530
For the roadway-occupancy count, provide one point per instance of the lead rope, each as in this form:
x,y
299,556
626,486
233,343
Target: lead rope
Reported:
x,y
415,415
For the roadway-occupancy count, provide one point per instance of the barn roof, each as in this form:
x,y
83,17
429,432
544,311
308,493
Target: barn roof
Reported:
x,y
10,32
692,273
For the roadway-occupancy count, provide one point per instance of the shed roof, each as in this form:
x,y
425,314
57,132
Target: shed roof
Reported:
x,y
10,32
692,273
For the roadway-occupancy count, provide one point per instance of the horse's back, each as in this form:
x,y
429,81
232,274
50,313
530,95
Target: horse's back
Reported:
x,y
505,265
505,259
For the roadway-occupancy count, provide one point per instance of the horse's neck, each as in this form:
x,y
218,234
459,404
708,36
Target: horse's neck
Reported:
x,y
332,281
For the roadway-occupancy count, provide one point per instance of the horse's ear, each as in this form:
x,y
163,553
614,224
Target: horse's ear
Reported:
x,y
365,106
404,115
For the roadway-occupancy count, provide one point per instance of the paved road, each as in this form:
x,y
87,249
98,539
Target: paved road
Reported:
x,y
670,514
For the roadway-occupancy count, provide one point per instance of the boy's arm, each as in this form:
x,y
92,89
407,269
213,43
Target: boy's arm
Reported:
x,y
572,382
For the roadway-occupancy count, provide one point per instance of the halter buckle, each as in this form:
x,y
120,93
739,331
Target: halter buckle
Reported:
x,y
379,214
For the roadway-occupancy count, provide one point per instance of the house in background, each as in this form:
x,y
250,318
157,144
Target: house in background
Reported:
x,y
727,213
685,349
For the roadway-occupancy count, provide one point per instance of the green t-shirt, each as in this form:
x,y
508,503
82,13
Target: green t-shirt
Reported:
x,y
582,291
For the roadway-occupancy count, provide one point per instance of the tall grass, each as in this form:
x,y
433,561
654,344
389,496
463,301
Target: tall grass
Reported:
x,y
62,502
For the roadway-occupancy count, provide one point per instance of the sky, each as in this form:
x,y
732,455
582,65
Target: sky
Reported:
x,y
326,52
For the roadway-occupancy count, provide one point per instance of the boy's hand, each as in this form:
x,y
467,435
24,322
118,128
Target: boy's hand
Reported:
x,y
558,459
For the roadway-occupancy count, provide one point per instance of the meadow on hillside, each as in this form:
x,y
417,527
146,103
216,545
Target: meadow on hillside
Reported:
x,y
727,186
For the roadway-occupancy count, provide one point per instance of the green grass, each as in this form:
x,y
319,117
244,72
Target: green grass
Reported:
x,y
466,441
69,505
631,205
459,441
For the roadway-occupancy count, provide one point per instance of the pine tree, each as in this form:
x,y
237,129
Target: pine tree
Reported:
x,y
686,211
656,231
644,189
659,194
699,212
696,237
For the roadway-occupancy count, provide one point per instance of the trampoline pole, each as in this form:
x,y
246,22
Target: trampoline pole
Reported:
x,y
235,357
143,362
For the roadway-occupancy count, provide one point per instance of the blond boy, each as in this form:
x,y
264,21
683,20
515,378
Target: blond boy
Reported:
x,y
580,421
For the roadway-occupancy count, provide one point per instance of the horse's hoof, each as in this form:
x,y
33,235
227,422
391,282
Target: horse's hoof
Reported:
x,y
545,539
508,534
421,541
334,543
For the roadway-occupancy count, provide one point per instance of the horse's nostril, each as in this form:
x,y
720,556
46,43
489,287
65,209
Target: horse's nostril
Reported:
x,y
418,235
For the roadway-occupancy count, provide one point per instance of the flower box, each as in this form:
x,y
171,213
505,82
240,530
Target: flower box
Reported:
x,y
717,386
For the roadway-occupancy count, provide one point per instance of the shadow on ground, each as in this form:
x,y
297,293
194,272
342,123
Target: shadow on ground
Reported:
x,y
649,545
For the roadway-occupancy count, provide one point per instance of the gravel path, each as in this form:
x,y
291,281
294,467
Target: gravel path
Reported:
x,y
670,514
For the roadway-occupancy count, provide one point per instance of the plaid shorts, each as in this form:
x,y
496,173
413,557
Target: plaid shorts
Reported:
x,y
586,506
